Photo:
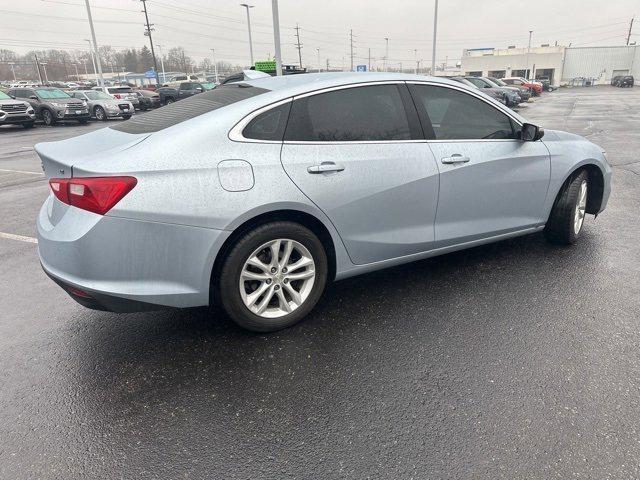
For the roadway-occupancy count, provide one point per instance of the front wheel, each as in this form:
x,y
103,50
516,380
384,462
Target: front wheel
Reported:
x,y
168,101
48,118
567,216
273,276
100,114
126,117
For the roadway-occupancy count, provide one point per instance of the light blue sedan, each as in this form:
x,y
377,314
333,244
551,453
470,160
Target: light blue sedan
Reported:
x,y
257,194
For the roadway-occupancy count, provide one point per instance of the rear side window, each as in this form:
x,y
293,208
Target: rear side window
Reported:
x,y
269,125
455,115
189,108
370,113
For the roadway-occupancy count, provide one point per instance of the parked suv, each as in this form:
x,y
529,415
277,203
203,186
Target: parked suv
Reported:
x,y
103,106
177,92
511,98
52,104
625,81
525,93
15,112
121,92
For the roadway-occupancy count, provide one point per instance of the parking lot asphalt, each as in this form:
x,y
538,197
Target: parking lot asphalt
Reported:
x,y
512,360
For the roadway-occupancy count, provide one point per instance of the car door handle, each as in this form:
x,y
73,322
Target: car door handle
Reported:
x,y
325,167
455,158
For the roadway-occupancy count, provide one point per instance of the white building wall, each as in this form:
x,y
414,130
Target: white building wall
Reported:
x,y
600,62
512,59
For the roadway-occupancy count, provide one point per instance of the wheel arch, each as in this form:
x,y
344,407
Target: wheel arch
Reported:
x,y
306,219
596,185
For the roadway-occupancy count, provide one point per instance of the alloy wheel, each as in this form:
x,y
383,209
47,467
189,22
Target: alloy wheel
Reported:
x,y
277,278
581,206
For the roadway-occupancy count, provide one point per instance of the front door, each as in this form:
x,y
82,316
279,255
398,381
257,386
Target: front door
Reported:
x,y
491,182
356,153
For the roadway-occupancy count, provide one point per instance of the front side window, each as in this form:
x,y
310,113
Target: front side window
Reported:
x,y
54,93
370,113
455,115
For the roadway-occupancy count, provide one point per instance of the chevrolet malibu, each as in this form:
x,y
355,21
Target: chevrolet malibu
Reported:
x,y
256,194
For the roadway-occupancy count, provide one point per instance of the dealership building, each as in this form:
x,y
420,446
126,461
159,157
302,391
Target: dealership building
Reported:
x,y
561,65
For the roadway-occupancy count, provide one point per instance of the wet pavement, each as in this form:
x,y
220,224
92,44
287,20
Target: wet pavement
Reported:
x,y
512,360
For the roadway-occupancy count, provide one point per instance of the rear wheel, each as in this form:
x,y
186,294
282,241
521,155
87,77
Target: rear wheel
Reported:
x,y
273,276
567,216
126,117
168,101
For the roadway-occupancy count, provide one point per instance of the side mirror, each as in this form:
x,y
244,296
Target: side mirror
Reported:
x,y
531,133
33,97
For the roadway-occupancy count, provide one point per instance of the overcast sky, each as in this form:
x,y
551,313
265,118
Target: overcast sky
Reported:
x,y
199,25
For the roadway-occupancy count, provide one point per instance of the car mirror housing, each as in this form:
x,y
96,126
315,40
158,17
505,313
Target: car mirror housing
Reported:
x,y
531,133
33,97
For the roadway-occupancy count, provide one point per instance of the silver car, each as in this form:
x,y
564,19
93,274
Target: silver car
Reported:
x,y
256,194
103,106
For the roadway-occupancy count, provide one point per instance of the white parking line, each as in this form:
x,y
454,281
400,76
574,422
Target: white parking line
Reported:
x,y
21,171
20,238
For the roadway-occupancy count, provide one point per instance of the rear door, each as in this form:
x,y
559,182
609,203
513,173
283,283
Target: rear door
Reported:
x,y
491,182
358,153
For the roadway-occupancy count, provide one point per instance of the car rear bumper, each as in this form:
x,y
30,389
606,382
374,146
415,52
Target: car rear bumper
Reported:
x,y
123,265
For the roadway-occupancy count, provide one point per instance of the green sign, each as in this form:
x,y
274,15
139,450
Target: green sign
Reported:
x,y
268,66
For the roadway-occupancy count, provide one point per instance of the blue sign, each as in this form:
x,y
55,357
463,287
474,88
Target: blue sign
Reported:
x,y
150,74
361,68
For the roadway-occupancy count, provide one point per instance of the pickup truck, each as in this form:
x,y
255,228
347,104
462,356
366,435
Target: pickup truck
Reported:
x,y
175,92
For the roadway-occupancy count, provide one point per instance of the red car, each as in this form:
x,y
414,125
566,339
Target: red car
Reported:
x,y
535,87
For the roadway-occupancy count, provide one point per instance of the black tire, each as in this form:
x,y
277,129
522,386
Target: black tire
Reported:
x,y
48,117
126,117
560,226
229,279
168,101
100,114
28,125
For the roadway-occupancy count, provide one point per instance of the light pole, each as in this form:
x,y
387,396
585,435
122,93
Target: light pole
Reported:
x,y
435,31
93,61
215,65
77,76
95,44
164,77
526,70
415,52
247,6
317,50
276,35
386,54
13,70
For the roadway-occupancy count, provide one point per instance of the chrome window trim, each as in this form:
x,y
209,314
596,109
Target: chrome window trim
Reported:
x,y
235,134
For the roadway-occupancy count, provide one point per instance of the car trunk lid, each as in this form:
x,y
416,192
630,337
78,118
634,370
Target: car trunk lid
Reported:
x,y
59,158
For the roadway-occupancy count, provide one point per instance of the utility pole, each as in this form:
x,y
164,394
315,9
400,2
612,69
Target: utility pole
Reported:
x,y
247,6
299,45
369,63
386,54
327,64
276,35
38,67
215,65
435,32
528,53
12,64
148,32
351,44
44,68
77,76
95,44
319,66
415,52
93,61
630,27
164,77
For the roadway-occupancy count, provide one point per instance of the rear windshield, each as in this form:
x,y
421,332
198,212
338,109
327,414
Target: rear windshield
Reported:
x,y
189,108
120,89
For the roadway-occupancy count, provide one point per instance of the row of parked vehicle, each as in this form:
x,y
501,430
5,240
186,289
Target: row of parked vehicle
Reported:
x,y
510,91
25,103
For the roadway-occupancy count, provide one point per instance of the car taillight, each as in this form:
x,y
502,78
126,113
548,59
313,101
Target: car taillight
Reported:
x,y
117,95
95,194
